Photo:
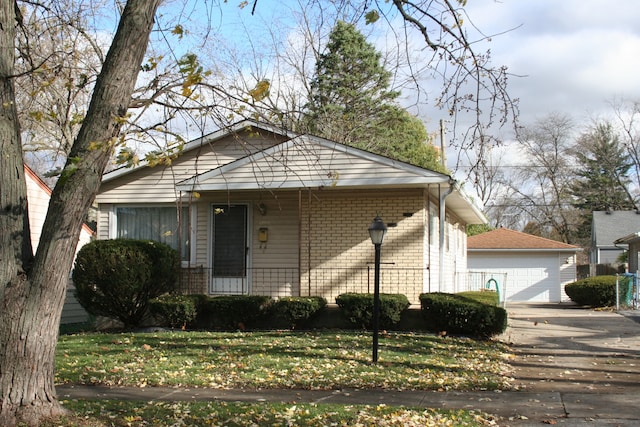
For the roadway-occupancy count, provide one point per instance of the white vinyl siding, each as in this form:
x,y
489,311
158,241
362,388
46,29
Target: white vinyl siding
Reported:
x,y
38,205
299,164
568,273
157,184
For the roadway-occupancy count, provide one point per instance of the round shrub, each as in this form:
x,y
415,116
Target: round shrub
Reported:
x,y
358,308
458,314
297,310
117,278
597,291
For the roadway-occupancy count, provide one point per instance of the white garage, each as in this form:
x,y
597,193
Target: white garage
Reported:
x,y
534,269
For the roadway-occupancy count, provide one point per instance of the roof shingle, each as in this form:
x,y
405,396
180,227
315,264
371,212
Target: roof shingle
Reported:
x,y
504,238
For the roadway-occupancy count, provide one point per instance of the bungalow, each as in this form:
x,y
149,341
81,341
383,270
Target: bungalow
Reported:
x,y
255,209
38,195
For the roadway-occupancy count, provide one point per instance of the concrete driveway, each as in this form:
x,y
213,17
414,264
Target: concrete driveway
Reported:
x,y
562,347
580,367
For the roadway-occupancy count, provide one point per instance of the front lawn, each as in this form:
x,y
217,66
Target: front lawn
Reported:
x,y
306,360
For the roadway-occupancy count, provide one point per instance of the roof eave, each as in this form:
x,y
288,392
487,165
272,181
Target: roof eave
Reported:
x,y
628,239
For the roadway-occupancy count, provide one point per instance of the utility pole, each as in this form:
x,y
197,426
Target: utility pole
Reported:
x,y
443,145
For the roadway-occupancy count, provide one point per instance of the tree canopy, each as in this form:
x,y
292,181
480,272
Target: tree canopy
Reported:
x,y
350,101
602,172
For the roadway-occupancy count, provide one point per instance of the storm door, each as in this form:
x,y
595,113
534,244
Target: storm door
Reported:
x,y
230,251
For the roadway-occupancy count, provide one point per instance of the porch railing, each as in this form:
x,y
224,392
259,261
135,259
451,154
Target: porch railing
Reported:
x,y
326,282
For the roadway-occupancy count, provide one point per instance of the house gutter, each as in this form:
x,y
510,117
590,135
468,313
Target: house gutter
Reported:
x,y
442,215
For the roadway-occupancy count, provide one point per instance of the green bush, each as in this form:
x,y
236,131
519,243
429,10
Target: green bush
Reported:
x,y
175,311
358,308
457,314
597,291
233,311
117,278
297,310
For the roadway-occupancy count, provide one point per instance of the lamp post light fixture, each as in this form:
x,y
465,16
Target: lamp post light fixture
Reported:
x,y
377,231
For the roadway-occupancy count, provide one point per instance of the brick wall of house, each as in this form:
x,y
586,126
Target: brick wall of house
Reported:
x,y
337,254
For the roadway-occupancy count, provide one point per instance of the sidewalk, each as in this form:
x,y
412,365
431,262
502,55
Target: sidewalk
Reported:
x,y
573,367
515,408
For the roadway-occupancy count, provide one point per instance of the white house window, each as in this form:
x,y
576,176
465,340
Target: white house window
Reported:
x,y
159,223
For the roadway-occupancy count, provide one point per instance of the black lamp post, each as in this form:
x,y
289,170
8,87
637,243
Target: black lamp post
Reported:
x,y
377,230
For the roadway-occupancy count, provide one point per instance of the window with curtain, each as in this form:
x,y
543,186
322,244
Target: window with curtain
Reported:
x,y
159,223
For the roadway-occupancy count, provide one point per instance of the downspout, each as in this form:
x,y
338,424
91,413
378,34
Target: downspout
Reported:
x,y
430,233
300,242
441,220
309,241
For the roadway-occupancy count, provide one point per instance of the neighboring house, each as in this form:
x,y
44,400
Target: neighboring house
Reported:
x,y
632,241
607,227
257,210
537,269
38,195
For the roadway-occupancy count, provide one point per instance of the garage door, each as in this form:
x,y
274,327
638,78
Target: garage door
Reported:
x,y
530,277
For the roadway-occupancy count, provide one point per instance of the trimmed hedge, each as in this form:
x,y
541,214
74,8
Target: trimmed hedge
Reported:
x,y
117,278
597,291
485,297
175,311
457,314
358,308
298,310
233,311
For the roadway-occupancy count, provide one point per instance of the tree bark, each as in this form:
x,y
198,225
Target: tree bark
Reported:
x,y
32,289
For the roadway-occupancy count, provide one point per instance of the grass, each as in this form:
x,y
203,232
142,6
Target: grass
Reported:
x,y
311,360
198,414
272,359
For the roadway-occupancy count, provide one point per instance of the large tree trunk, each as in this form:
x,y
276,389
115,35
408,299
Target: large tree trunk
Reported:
x,y
32,290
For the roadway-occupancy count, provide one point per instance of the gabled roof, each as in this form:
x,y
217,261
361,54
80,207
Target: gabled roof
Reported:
x,y
312,162
505,239
609,226
296,161
309,161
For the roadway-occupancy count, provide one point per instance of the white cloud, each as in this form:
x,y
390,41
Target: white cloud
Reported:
x,y
576,55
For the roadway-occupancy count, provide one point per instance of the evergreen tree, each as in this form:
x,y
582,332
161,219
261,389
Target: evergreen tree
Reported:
x,y
351,102
603,175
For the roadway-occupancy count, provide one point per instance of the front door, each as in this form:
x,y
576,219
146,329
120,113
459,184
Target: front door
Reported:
x,y
229,237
